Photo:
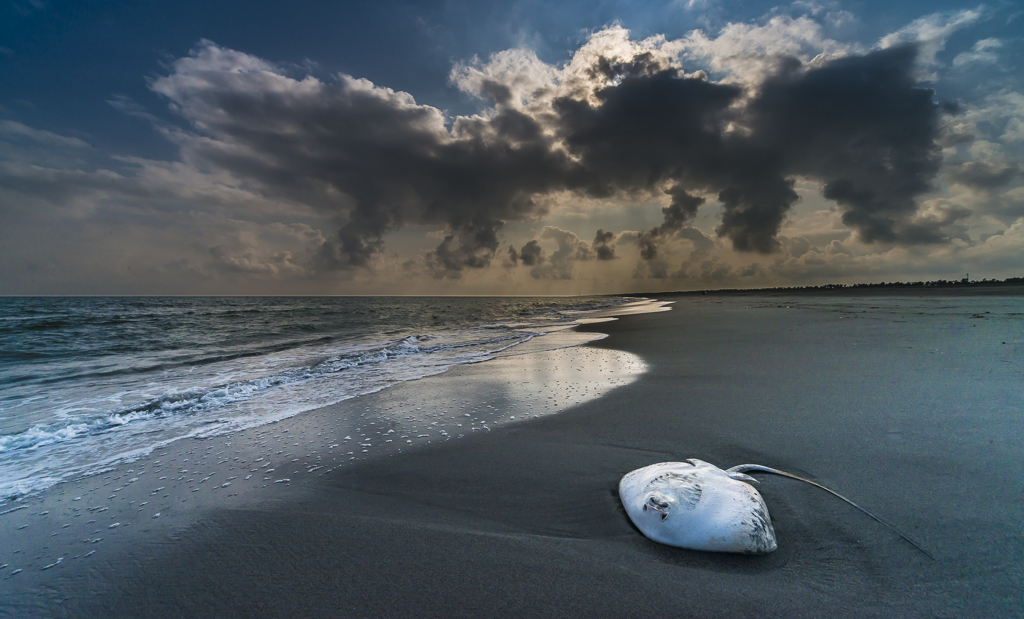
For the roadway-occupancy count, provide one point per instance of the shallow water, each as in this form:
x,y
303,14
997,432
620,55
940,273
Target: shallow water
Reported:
x,y
89,521
89,382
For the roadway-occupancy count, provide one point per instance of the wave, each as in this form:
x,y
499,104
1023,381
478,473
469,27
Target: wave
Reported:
x,y
203,399
75,399
183,359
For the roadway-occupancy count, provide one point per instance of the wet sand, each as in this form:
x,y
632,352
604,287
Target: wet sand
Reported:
x,y
910,406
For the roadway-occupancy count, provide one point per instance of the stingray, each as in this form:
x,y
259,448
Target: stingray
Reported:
x,y
699,506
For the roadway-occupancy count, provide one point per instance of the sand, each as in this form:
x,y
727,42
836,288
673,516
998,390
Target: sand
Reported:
x,y
910,406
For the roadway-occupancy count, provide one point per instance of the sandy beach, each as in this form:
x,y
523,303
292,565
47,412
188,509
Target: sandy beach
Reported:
x,y
909,405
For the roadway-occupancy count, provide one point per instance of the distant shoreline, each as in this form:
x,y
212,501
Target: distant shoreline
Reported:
x,y
1009,286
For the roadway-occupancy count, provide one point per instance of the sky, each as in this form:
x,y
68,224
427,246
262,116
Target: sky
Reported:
x,y
506,148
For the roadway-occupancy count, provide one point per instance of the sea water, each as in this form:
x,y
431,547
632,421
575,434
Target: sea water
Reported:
x,y
86,383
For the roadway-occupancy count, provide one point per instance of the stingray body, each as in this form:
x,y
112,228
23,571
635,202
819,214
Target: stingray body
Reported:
x,y
697,505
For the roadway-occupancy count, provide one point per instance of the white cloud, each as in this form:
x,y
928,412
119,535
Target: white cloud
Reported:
x,y
11,129
932,31
690,5
999,117
746,53
983,51
527,78
534,85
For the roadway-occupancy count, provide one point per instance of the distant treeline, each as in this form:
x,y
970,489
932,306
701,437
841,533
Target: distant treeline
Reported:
x,y
936,283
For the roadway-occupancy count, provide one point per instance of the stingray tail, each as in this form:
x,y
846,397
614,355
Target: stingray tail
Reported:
x,y
743,468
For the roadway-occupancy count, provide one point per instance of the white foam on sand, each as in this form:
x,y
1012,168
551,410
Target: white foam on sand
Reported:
x,y
41,456
94,518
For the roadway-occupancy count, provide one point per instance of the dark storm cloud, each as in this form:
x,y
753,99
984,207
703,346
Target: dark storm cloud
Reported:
x,y
477,246
531,254
371,155
377,160
678,214
646,130
654,129
863,127
682,209
858,124
604,245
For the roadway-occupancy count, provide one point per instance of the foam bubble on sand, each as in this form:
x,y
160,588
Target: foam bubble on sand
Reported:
x,y
229,470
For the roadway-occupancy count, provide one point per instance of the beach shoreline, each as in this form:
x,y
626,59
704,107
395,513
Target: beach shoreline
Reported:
x,y
912,412
972,289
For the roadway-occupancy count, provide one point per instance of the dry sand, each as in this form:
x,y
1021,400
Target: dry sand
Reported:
x,y
910,406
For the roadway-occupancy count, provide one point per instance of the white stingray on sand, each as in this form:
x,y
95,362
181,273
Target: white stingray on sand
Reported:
x,y
699,506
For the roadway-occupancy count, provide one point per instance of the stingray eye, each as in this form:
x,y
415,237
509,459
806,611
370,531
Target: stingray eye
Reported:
x,y
657,503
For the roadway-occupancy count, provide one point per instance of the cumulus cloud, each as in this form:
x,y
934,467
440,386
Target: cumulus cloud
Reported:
x,y
997,120
369,156
983,175
621,118
604,245
678,213
736,119
747,53
559,263
476,246
879,158
531,254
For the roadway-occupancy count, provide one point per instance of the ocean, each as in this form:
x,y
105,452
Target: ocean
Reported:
x,y
86,383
